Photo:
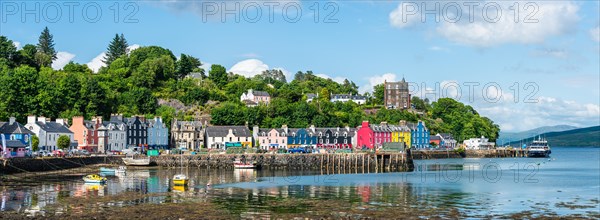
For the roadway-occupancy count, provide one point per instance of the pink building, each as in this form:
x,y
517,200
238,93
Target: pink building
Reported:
x,y
269,138
372,136
86,132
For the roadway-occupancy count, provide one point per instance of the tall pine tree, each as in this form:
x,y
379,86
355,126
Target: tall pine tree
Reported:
x,y
116,48
45,49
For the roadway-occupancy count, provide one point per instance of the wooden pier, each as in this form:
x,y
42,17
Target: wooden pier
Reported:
x,y
342,163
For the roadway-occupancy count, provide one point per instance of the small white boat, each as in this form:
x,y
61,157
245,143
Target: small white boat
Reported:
x,y
130,161
241,165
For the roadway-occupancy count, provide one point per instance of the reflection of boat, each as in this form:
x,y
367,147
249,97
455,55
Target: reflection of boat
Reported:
x,y
130,161
93,186
179,188
106,170
121,169
242,175
237,164
180,180
538,148
94,178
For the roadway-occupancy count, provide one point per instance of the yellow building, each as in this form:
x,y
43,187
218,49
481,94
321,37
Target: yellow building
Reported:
x,y
404,134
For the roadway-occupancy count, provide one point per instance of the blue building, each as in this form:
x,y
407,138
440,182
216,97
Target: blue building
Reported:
x,y
419,135
301,137
15,136
158,134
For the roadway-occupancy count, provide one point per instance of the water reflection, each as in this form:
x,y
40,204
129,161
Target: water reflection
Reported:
x,y
252,193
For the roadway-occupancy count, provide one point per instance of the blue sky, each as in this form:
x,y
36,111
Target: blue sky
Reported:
x,y
367,42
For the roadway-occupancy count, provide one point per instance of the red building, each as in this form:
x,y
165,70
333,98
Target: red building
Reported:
x,y
371,136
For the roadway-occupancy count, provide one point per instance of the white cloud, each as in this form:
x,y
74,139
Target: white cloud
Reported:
x,y
249,68
62,59
376,80
335,79
552,18
98,61
437,48
547,111
17,44
595,33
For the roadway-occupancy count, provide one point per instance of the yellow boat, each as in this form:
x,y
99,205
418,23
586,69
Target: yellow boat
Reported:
x,y
94,178
180,180
179,188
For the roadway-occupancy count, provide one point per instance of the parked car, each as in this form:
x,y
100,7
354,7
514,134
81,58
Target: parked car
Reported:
x,y
42,153
79,152
58,153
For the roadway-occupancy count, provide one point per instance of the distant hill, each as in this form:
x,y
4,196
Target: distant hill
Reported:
x,y
506,137
581,137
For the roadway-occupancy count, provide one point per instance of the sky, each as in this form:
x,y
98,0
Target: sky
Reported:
x,y
524,64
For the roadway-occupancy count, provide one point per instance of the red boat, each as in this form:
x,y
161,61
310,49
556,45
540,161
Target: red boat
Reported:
x,y
241,165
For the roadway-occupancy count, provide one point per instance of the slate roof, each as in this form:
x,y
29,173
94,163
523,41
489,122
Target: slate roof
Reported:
x,y
152,122
311,96
14,143
15,128
196,124
267,130
447,136
434,138
260,93
53,127
348,96
222,131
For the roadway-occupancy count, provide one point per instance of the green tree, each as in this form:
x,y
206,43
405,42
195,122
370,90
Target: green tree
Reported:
x,y
378,93
187,64
35,142
27,56
116,48
8,51
63,142
218,75
45,48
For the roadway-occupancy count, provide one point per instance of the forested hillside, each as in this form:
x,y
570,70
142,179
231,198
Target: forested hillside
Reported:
x,y
134,81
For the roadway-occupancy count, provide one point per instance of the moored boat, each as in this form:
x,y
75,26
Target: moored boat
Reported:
x,y
180,180
130,161
243,165
121,169
94,178
106,170
539,148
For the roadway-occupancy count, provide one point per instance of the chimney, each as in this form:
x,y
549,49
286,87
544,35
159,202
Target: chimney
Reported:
x,y
285,128
11,120
255,129
42,119
77,120
31,119
312,128
116,117
97,119
365,124
402,123
62,121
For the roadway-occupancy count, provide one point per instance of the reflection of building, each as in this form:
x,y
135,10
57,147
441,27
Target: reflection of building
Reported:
x,y
478,143
187,134
396,95
48,131
222,137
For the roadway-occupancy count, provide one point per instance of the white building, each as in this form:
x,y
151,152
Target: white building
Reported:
x,y
48,131
112,136
221,137
253,98
347,97
478,143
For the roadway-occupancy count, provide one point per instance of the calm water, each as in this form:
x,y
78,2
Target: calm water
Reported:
x,y
566,183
